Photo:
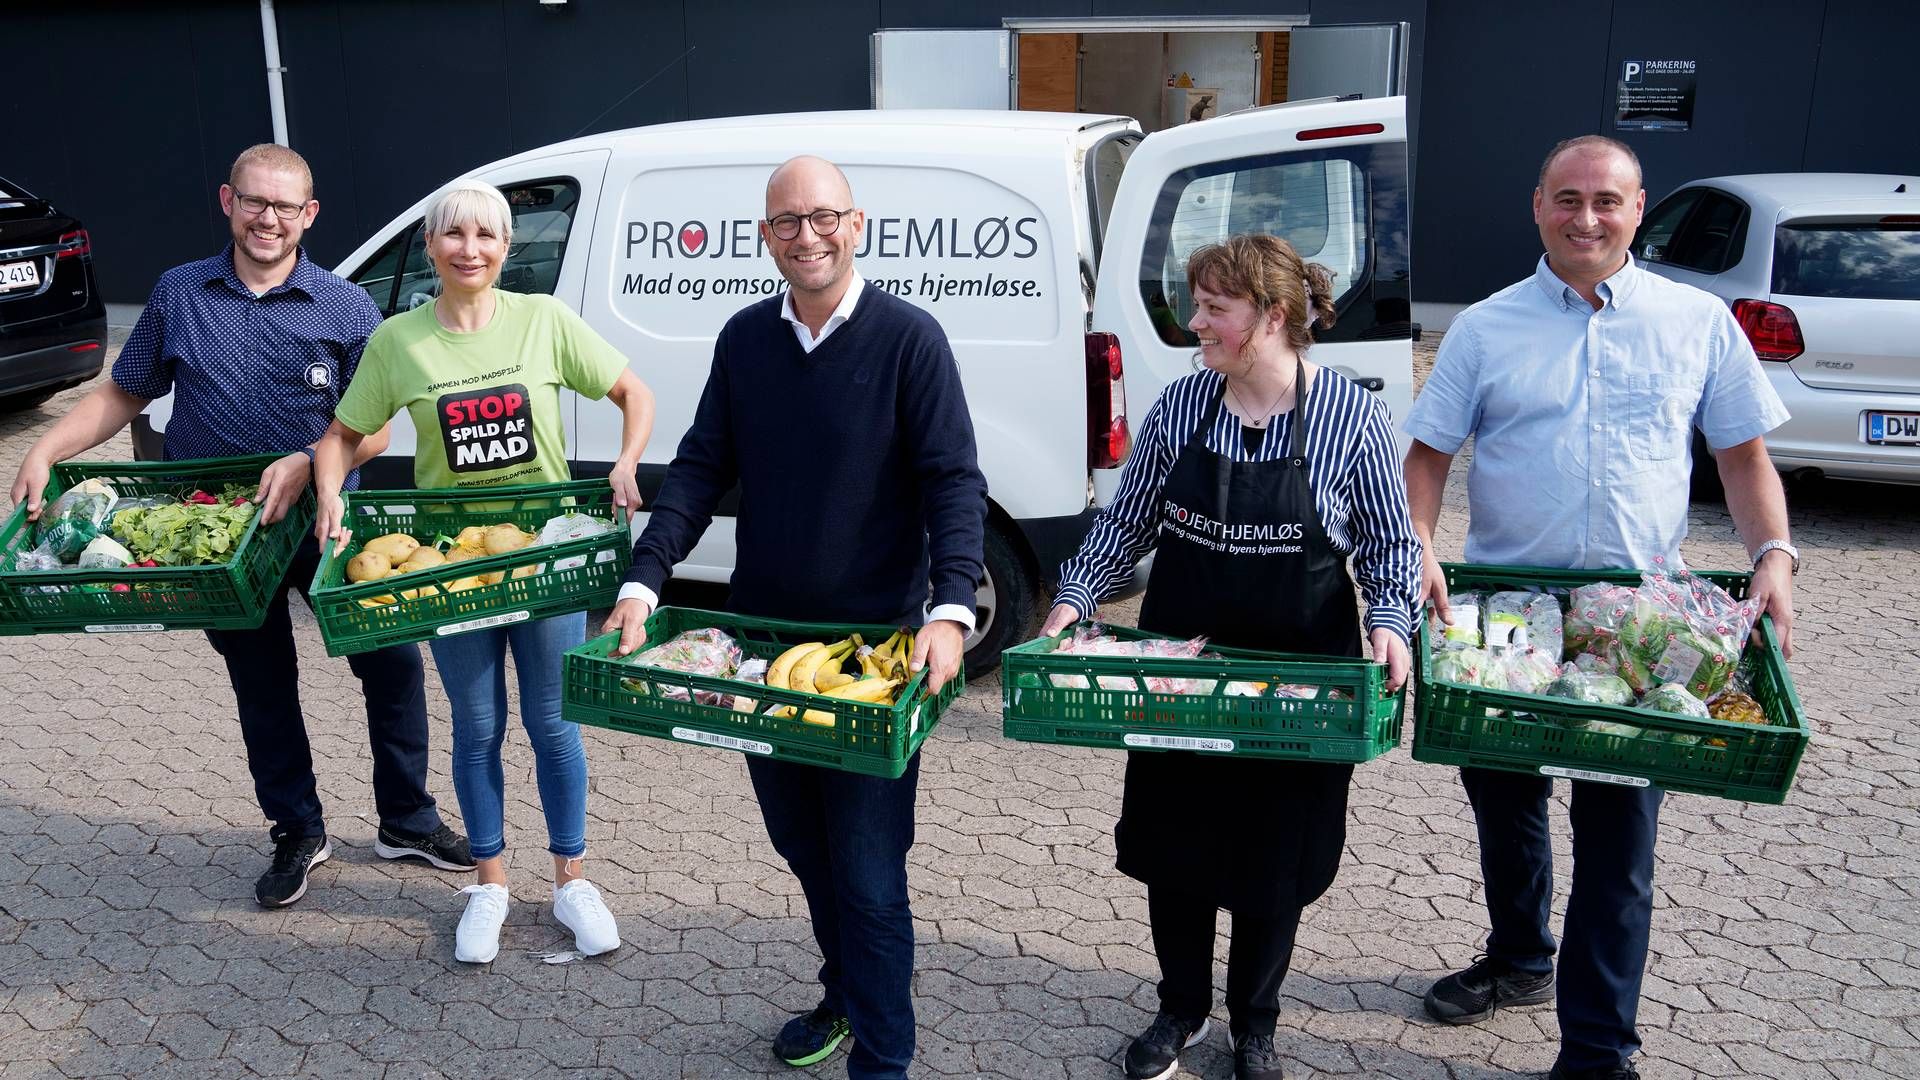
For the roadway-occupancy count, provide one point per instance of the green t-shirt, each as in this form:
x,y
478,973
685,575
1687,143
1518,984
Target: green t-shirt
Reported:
x,y
486,404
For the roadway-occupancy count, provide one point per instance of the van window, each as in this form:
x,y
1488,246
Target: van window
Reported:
x,y
400,276
1104,166
1864,260
1343,208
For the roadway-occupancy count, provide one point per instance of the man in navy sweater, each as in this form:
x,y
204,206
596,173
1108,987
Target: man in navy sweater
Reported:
x,y
837,410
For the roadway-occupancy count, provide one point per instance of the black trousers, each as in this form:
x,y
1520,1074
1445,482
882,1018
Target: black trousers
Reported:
x,y
1260,948
265,671
1609,910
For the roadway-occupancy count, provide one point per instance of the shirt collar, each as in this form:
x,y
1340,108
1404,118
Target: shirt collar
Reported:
x,y
841,312
304,277
1617,290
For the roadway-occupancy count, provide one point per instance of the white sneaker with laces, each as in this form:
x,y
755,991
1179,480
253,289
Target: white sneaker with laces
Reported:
x,y
578,907
477,940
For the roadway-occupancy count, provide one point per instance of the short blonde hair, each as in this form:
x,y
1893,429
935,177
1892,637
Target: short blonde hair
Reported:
x,y
473,201
271,156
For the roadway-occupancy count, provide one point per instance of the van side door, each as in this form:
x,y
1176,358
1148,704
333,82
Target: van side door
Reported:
x,y
1329,177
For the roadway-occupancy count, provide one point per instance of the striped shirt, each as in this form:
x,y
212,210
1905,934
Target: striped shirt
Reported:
x,y
1354,473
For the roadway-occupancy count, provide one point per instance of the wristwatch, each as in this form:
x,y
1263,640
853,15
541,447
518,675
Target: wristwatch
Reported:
x,y
308,450
1778,545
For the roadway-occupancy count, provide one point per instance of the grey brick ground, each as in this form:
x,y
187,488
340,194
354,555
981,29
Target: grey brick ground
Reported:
x,y
129,840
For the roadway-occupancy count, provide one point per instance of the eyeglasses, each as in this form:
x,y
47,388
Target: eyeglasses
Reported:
x,y
254,204
824,222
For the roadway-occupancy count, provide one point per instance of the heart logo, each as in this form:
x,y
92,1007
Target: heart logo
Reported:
x,y
693,238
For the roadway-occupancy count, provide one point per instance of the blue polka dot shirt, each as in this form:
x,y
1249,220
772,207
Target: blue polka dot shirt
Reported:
x,y
249,374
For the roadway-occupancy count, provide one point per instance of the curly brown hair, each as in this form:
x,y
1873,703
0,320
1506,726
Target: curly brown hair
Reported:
x,y
1267,271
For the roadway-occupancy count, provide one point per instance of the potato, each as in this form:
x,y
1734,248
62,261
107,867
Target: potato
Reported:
x,y
423,558
368,566
377,601
473,538
506,538
460,554
527,571
463,584
395,546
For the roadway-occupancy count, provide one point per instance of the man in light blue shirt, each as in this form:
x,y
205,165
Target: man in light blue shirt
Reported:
x,y
1581,387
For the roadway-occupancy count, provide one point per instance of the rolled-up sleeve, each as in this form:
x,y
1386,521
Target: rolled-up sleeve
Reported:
x,y
1124,531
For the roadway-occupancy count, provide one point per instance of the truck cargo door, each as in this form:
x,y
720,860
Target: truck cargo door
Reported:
x,y
942,69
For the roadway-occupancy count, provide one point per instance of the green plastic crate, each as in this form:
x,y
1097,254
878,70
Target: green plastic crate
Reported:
x,y
228,596
877,740
1454,724
1360,727
577,575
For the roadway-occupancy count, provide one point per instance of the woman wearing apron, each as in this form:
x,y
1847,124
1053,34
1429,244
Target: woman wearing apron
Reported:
x,y
1258,438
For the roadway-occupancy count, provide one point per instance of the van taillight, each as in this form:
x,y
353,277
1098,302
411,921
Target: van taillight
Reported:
x,y
74,243
1107,437
1772,329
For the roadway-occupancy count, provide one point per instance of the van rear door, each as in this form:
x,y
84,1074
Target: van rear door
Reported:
x,y
1330,177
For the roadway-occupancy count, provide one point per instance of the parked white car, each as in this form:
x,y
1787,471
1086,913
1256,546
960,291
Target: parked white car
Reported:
x,y
1822,271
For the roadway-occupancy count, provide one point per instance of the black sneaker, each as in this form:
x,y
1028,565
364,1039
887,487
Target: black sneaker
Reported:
x,y
1255,1059
1470,996
1624,1071
806,1040
286,879
1156,1053
442,847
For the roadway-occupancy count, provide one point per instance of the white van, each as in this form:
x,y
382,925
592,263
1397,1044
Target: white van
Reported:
x,y
1049,245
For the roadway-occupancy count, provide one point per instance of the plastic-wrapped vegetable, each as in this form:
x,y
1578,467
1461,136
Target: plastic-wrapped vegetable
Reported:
x,y
1594,614
706,651
1093,640
1595,687
105,553
71,522
1683,629
1673,698
1525,619
1525,670
1467,666
572,526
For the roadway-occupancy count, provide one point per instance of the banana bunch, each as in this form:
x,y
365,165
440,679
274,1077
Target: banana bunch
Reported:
x,y
814,667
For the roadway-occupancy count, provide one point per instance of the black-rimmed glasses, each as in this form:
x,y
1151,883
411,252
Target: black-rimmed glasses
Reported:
x,y
254,204
824,222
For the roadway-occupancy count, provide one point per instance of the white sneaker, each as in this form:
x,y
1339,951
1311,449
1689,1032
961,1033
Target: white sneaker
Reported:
x,y
477,939
578,907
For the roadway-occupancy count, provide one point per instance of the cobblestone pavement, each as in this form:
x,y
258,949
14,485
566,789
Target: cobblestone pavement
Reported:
x,y
1783,946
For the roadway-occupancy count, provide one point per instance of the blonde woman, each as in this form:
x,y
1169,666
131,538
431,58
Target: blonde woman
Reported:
x,y
475,347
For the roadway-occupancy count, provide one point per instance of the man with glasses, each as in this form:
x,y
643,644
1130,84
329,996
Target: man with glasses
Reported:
x,y
837,411
257,344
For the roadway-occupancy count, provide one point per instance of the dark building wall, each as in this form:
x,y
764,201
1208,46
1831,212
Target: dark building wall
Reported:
x,y
387,100
1783,85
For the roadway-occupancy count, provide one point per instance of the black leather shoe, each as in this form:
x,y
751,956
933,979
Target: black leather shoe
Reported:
x,y
807,1040
1624,1071
286,878
442,847
1487,985
1156,1053
1255,1059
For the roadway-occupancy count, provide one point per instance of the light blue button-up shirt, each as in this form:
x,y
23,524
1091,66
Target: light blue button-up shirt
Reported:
x,y
1582,419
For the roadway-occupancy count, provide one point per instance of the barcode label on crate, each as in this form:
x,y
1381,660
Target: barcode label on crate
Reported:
x,y
482,623
1179,742
572,562
125,628
1589,774
724,741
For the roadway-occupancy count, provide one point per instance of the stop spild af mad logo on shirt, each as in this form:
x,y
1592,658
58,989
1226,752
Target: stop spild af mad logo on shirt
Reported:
x,y
487,429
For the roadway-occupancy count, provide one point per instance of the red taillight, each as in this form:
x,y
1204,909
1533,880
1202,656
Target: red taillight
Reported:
x,y
1343,132
1107,437
85,346
82,244
1774,331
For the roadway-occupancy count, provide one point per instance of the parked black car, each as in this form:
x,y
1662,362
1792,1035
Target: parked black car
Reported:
x,y
53,325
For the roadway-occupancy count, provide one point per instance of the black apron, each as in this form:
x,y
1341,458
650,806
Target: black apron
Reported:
x,y
1253,835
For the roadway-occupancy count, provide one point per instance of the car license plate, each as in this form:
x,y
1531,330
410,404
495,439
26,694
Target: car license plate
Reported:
x,y
1894,427
19,275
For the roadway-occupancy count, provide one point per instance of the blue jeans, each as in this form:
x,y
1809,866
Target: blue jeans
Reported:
x,y
1609,910
473,669
264,668
846,837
